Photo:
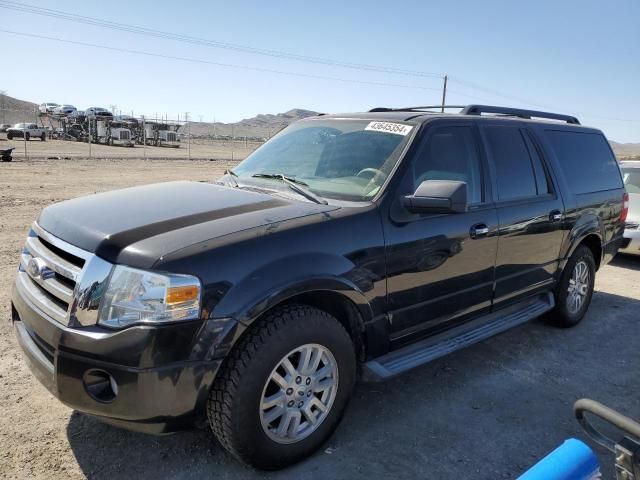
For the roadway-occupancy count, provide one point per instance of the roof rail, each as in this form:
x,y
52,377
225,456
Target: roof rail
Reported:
x,y
517,112
480,109
415,109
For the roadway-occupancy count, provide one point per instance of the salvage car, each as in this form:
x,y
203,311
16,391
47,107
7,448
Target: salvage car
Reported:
x,y
362,244
631,175
26,131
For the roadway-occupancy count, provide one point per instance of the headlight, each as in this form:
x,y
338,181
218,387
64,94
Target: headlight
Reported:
x,y
138,296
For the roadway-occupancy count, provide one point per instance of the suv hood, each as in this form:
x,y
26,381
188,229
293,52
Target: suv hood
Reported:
x,y
137,226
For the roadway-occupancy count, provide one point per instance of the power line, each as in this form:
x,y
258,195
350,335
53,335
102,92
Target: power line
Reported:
x,y
530,103
26,8
219,64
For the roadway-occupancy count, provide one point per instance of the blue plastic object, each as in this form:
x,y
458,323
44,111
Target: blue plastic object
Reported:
x,y
573,460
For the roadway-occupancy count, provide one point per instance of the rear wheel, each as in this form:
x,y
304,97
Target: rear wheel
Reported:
x,y
283,388
27,136
43,137
575,289
9,136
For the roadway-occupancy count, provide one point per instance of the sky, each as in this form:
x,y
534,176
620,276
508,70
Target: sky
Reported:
x,y
568,56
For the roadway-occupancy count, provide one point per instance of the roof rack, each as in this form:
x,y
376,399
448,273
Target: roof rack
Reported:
x,y
480,109
415,109
517,112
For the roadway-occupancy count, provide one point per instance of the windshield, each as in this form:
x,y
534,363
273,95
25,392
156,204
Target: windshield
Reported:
x,y
631,179
339,159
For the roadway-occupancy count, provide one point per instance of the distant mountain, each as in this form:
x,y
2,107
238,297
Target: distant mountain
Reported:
x,y
13,110
260,126
626,150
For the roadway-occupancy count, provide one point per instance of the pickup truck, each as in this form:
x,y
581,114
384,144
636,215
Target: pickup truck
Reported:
x,y
360,244
27,131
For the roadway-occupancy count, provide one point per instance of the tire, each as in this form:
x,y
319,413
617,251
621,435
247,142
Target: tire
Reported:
x,y
567,313
43,137
234,406
9,136
27,136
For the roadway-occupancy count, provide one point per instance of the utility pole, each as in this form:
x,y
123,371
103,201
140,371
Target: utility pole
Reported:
x,y
186,119
444,93
144,137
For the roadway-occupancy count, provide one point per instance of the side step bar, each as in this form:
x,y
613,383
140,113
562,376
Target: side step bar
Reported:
x,y
411,356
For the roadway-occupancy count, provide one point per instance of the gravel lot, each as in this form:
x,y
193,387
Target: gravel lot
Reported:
x,y
487,412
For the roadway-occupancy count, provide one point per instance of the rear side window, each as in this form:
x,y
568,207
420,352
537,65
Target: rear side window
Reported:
x,y
514,170
586,160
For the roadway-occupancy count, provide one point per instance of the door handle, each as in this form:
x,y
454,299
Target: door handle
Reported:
x,y
479,230
555,216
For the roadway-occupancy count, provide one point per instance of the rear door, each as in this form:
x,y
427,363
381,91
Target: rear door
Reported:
x,y
530,211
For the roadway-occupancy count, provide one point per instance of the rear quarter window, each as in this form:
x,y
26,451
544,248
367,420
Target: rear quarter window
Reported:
x,y
586,161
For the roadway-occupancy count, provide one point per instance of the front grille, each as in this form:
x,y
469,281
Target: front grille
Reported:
x,y
631,225
49,272
171,137
125,135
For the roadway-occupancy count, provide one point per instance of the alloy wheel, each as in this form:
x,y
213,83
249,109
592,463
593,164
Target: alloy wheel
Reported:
x,y
299,393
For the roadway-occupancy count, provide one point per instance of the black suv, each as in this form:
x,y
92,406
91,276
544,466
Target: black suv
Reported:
x,y
365,243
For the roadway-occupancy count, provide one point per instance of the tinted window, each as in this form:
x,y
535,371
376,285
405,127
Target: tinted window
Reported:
x,y
514,170
450,153
586,160
539,170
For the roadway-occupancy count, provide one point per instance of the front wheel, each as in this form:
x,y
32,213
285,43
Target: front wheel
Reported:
x,y
27,136
283,388
575,289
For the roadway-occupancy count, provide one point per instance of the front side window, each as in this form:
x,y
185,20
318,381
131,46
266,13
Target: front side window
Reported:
x,y
450,153
335,158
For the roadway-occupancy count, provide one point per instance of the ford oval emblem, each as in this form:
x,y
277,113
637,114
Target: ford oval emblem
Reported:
x,y
36,267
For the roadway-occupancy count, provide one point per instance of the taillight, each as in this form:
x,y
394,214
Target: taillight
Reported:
x,y
625,207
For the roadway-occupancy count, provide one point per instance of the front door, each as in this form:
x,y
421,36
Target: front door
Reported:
x,y
440,267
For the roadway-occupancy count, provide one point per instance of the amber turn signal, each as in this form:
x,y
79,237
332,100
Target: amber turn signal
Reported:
x,y
182,294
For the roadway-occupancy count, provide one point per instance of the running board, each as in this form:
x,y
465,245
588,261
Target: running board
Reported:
x,y
414,355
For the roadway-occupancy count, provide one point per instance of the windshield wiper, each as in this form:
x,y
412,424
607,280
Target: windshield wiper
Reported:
x,y
294,184
232,175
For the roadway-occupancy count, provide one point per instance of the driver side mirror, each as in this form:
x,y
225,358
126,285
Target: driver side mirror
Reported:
x,y
438,196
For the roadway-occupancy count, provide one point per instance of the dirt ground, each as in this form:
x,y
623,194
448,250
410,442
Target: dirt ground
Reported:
x,y
487,412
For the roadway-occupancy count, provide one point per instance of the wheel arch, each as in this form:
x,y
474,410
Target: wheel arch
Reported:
x,y
337,297
589,232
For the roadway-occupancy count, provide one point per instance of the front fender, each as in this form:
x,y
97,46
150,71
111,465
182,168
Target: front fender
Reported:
x,y
278,281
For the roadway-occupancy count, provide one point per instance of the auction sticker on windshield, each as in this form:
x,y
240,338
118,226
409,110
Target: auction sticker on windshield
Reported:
x,y
389,127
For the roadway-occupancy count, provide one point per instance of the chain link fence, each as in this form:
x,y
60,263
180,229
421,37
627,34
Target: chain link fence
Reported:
x,y
208,141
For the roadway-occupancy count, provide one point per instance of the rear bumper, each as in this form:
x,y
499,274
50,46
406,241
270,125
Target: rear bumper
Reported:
x,y
631,243
150,395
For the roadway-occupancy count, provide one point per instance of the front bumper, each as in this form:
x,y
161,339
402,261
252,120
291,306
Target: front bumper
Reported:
x,y
162,374
126,143
631,243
